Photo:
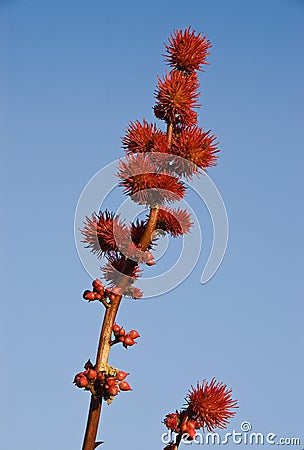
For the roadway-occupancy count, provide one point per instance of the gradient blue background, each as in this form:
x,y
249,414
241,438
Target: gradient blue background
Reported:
x,y
73,74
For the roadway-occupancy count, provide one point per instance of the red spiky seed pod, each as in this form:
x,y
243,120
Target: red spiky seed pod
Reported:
x,y
124,386
174,221
104,233
134,334
121,375
137,230
176,96
113,271
210,405
146,184
196,149
186,50
172,422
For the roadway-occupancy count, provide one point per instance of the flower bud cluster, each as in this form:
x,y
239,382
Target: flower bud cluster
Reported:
x,y
127,339
101,293
104,384
181,424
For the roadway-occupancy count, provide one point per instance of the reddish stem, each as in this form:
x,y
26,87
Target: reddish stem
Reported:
x,y
105,335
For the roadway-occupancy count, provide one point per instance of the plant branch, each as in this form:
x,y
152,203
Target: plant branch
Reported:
x,y
104,345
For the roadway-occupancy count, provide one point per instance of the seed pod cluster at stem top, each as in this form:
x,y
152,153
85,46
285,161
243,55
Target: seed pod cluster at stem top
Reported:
x,y
155,164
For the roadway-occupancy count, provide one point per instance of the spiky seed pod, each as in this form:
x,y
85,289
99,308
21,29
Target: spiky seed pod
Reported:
x,y
137,230
176,95
210,405
197,149
104,233
113,271
187,51
172,422
142,181
176,222
144,137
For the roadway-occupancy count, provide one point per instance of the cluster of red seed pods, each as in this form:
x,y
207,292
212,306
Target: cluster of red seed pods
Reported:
x,y
101,293
106,383
127,339
180,423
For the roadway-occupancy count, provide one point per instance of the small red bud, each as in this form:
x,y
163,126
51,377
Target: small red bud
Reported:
x,y
148,256
111,381
77,376
112,297
90,296
92,374
124,386
121,375
133,334
116,328
122,331
96,284
98,296
150,262
121,338
184,427
100,290
113,390
129,341
84,295
82,382
107,292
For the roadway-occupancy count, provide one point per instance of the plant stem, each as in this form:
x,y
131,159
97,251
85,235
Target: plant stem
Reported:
x,y
104,345
105,335
169,135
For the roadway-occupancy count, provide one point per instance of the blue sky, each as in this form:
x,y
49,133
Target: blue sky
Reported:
x,y
74,74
